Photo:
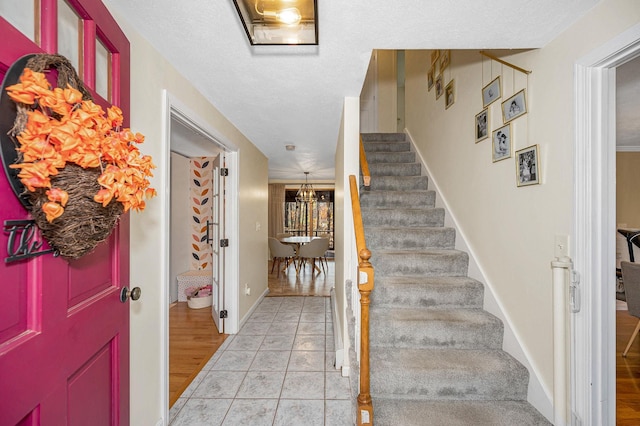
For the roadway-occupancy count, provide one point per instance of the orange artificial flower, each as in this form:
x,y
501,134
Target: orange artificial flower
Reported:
x,y
58,195
52,210
63,128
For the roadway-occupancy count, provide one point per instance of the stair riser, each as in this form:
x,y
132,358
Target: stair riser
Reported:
x,y
399,183
403,217
444,384
398,199
434,334
384,137
398,296
393,169
453,263
391,157
410,239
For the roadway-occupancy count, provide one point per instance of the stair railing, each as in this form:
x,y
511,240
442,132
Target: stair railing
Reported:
x,y
365,287
364,166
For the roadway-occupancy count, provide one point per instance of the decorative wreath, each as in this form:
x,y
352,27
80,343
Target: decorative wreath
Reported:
x,y
80,169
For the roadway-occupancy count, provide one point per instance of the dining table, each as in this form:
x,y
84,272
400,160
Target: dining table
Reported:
x,y
298,240
630,234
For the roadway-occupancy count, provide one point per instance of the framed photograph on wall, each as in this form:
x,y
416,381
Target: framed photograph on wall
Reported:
x,y
491,92
445,59
514,107
482,125
527,166
501,143
430,80
449,95
439,86
435,54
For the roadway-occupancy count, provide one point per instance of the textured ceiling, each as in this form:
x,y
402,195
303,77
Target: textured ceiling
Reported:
x,y
279,95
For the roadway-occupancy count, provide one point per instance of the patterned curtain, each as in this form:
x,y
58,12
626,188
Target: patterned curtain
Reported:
x,y
276,209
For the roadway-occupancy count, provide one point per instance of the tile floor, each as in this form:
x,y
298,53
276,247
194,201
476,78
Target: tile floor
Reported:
x,y
278,370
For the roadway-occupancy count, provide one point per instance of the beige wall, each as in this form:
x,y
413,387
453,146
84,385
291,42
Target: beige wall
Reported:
x,y
627,184
347,163
180,258
387,94
150,74
511,230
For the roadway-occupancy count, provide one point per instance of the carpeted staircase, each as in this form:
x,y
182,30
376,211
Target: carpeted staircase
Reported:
x,y
436,355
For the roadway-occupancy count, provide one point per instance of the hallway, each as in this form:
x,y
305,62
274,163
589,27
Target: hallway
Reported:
x,y
278,370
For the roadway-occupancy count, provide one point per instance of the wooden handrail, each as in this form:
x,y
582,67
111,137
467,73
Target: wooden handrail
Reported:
x,y
365,273
364,165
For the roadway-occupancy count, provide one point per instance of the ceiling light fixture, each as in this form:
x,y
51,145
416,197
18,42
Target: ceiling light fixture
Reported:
x,y
272,22
306,194
290,147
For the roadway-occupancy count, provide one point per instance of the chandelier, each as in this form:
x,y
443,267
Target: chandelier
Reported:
x,y
306,194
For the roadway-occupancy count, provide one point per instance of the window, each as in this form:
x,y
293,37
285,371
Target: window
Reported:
x,y
314,219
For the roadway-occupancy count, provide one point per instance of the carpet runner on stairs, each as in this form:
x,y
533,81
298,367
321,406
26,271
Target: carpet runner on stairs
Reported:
x,y
436,355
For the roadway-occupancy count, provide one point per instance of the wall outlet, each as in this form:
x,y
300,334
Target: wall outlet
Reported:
x,y
258,226
247,289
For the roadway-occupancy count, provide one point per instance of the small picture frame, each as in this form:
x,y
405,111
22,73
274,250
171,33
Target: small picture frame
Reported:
x,y
445,59
435,54
482,125
527,166
430,80
439,86
449,94
514,107
501,143
491,92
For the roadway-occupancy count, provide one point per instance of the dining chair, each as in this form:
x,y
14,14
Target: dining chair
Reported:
x,y
315,249
631,280
281,252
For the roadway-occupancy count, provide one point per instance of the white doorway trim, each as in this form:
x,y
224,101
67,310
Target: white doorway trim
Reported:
x,y
176,110
593,376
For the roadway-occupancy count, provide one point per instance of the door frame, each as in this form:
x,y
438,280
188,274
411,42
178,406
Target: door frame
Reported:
x,y
593,329
173,108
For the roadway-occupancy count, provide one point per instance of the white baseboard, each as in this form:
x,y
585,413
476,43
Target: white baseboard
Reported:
x,y
253,308
337,334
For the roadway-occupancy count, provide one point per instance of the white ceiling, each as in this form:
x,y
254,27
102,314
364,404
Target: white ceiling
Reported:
x,y
279,95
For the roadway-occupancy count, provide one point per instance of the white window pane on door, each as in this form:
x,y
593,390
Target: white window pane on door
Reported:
x,y
69,34
103,67
21,14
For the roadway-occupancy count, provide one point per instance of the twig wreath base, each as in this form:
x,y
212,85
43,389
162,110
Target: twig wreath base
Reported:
x,y
85,223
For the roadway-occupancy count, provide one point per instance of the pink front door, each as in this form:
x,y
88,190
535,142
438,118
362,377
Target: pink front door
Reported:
x,y
64,334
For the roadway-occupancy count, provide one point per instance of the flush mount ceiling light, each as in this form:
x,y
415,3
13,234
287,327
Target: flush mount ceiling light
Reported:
x,y
269,22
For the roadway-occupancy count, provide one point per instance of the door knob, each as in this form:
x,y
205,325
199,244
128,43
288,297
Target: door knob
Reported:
x,y
134,294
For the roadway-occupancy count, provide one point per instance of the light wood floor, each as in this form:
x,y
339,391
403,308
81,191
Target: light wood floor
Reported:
x,y
627,372
193,339
305,283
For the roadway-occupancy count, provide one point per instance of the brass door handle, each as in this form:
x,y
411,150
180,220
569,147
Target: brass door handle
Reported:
x,y
134,294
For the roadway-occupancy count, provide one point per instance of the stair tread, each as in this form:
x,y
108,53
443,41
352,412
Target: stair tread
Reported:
x,y
409,228
455,315
392,411
419,252
429,281
442,361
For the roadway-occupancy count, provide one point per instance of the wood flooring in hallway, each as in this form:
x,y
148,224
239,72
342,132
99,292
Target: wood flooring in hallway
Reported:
x,y
627,372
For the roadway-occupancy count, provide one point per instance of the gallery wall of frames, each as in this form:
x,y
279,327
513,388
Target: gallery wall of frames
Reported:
x,y
510,103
